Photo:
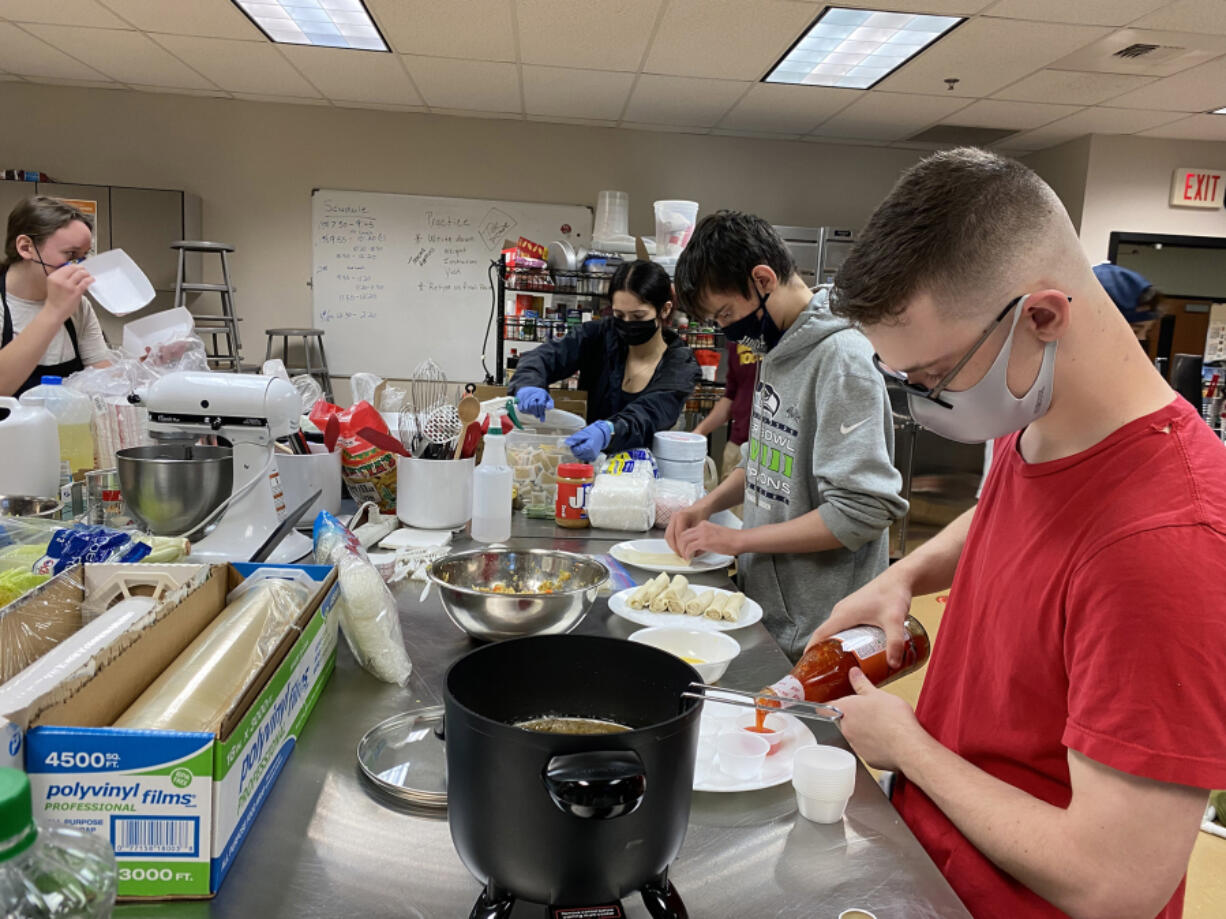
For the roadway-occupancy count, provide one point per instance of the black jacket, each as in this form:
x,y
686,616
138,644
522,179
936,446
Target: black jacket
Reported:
x,y
598,354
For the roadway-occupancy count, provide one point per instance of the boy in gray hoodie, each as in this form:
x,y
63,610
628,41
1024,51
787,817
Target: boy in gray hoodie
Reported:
x,y
817,478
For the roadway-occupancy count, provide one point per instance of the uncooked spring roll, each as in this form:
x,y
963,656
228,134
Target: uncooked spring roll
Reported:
x,y
716,609
698,605
642,597
731,610
676,604
659,603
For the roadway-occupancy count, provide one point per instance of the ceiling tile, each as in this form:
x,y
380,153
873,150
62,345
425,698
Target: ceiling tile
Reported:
x,y
845,141
727,39
778,109
1030,141
28,56
211,20
1100,56
682,101
1071,87
474,29
609,35
1197,16
1195,127
129,57
595,94
285,100
936,7
62,12
255,68
987,54
453,84
1089,12
354,76
883,116
1021,116
1102,120
1200,89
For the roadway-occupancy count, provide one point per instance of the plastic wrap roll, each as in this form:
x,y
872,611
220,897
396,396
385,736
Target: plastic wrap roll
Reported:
x,y
197,689
622,502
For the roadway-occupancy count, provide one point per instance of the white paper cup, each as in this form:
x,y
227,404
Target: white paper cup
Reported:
x,y
822,810
741,755
824,772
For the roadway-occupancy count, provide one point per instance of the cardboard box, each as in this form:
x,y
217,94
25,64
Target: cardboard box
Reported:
x,y
177,805
569,400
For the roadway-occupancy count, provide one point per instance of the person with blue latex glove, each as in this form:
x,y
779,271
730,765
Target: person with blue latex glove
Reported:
x,y
636,371
589,441
534,400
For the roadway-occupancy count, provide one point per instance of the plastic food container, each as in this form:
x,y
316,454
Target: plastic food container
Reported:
x,y
674,225
534,461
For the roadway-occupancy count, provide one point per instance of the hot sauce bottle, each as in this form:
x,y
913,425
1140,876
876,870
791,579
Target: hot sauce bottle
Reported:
x,y
822,673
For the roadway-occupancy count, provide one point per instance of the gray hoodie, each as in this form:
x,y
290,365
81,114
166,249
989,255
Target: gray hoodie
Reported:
x,y
821,436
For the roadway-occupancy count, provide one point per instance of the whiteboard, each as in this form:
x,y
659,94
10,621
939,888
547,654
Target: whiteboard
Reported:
x,y
396,279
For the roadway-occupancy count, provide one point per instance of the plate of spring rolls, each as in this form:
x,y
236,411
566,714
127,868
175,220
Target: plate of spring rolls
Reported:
x,y
666,600
655,555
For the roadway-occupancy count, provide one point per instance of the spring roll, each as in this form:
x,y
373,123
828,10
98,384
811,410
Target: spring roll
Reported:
x,y
676,604
731,610
677,588
716,609
642,597
698,605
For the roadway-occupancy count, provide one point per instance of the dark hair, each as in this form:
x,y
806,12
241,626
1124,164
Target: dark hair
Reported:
x,y
952,220
722,253
646,280
39,217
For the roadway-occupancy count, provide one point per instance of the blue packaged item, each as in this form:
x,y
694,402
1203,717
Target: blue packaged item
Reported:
x,y
91,544
638,461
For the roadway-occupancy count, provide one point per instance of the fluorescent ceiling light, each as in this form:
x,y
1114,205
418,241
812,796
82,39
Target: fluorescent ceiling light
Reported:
x,y
1218,111
327,23
856,49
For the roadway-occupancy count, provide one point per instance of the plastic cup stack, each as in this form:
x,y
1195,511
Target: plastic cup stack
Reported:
x,y
824,778
741,754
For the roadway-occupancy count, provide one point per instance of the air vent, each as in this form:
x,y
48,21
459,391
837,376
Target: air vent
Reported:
x,y
959,135
1152,54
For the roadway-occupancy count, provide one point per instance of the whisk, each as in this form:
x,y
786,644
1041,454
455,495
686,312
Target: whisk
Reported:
x,y
430,392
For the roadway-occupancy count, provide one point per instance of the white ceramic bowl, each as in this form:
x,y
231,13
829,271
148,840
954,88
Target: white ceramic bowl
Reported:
x,y
709,653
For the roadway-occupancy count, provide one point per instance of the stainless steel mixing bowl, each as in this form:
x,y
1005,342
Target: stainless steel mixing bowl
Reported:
x,y
524,611
172,488
25,506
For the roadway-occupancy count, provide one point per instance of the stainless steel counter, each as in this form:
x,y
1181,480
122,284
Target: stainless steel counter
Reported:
x,y
329,845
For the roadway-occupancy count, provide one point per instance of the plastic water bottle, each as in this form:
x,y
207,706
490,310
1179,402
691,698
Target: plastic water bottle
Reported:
x,y
49,871
492,491
72,411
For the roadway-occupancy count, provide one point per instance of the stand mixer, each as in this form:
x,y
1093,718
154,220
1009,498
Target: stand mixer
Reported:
x,y
249,412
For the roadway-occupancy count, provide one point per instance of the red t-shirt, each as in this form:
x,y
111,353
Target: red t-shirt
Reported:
x,y
742,366
1087,613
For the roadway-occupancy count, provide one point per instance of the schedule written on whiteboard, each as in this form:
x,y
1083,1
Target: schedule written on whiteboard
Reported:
x,y
399,278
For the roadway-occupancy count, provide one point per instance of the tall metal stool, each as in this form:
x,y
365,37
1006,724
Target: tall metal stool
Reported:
x,y
316,368
222,325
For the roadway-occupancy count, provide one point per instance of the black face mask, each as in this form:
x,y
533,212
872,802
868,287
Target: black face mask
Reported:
x,y
634,332
757,330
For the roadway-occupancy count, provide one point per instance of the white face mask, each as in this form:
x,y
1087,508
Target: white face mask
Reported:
x,y
988,409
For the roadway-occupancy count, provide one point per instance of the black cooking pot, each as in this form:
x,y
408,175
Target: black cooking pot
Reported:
x,y
569,818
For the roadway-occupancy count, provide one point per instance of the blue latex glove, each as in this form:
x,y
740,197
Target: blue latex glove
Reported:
x,y
534,401
587,443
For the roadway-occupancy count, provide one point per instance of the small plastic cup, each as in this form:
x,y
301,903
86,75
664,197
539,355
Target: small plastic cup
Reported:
x,y
773,732
824,778
822,810
741,755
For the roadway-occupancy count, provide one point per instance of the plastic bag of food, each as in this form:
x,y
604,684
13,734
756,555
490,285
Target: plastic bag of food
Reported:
x,y
638,461
309,391
368,612
673,495
622,502
48,547
202,683
368,471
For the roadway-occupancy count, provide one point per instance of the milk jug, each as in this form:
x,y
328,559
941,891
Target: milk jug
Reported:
x,y
29,450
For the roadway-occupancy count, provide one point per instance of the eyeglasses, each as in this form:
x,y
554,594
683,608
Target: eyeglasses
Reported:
x,y
934,394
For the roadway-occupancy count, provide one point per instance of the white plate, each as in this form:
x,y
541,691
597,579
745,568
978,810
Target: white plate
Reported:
x,y
751,612
119,287
703,561
775,771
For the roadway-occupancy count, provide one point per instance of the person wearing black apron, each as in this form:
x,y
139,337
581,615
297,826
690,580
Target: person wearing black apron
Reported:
x,y
46,238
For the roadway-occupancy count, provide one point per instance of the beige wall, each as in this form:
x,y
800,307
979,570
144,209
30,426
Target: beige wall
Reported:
x,y
1128,188
1065,168
254,166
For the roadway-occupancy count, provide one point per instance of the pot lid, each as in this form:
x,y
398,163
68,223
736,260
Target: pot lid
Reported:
x,y
405,757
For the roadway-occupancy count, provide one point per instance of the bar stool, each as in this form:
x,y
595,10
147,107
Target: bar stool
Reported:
x,y
316,368
222,325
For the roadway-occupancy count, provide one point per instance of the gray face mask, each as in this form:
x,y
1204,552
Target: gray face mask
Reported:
x,y
988,409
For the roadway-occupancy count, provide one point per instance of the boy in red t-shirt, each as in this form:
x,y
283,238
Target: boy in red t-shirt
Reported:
x,y
735,405
1074,711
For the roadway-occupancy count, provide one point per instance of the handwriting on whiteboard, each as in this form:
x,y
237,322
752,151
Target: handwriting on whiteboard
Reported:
x,y
495,226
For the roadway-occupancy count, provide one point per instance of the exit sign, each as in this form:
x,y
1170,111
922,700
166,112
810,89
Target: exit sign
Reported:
x,y
1197,188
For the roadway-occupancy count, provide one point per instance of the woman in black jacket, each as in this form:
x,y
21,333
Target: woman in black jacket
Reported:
x,y
637,374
